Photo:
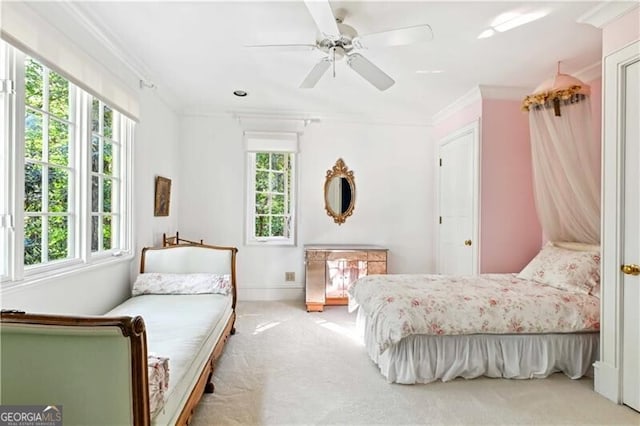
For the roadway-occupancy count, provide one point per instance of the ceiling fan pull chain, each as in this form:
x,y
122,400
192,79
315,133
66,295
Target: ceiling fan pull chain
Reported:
x,y
334,62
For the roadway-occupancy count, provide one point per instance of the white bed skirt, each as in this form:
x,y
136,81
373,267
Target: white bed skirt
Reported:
x,y
426,358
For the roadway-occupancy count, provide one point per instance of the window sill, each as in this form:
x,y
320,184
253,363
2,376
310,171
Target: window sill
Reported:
x,y
37,279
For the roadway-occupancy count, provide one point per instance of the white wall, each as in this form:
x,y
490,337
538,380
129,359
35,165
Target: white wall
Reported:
x,y
155,154
394,175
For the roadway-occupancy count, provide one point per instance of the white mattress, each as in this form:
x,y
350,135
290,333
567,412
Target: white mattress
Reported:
x,y
183,328
427,358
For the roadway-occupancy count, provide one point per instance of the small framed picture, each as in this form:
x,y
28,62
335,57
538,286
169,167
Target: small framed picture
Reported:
x,y
163,196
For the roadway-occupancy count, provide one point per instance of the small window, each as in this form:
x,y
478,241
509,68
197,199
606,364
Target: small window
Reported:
x,y
271,197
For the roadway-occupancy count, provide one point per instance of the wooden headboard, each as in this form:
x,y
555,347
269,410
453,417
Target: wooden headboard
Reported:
x,y
191,258
176,240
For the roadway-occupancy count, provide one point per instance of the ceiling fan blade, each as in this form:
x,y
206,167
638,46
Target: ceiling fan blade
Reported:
x,y
316,73
369,71
283,47
323,16
398,37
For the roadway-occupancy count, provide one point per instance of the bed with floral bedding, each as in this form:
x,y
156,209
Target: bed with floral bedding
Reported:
x,y
422,328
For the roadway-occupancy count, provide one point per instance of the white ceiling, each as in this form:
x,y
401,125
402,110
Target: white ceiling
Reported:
x,y
194,52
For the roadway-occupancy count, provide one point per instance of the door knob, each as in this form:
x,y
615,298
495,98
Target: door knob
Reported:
x,y
467,242
630,269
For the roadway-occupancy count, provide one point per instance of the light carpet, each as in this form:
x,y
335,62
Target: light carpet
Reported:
x,y
285,366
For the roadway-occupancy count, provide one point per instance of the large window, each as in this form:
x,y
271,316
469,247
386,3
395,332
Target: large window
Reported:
x,y
65,168
50,169
271,197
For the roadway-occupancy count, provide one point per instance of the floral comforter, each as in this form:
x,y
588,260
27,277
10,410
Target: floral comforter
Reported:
x,y
402,305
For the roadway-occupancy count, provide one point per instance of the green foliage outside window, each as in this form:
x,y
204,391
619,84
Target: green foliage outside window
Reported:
x,y
47,103
273,207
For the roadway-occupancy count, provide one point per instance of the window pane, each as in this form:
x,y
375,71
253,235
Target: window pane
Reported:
x,y
95,220
262,226
58,142
32,187
277,182
107,158
106,232
108,122
106,197
33,135
277,204
58,190
95,115
277,226
32,240
58,95
95,194
262,204
262,160
58,236
95,154
277,162
262,181
33,83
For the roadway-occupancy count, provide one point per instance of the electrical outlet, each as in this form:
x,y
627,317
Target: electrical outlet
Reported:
x,y
289,276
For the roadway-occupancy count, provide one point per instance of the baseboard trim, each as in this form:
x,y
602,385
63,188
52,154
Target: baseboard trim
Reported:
x,y
606,381
273,293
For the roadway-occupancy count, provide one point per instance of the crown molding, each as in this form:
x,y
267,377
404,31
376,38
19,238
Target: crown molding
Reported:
x,y
606,12
590,72
115,47
477,94
472,96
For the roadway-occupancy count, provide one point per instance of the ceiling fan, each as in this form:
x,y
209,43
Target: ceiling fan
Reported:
x,y
339,41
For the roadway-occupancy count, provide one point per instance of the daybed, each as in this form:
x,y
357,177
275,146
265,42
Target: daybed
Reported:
x,y
422,328
97,368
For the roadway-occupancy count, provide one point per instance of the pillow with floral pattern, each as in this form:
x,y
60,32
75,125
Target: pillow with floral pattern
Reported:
x,y
564,269
162,283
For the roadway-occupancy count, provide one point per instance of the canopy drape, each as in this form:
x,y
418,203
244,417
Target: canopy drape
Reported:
x,y
565,155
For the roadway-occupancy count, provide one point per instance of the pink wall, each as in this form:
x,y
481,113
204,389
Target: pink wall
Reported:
x,y
511,233
621,32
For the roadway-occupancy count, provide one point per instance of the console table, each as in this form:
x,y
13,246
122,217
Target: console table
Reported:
x,y
330,268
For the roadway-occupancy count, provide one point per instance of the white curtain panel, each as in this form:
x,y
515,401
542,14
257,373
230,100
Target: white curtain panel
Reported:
x,y
566,172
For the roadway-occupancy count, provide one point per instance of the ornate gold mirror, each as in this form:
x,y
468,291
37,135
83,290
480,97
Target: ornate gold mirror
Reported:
x,y
339,192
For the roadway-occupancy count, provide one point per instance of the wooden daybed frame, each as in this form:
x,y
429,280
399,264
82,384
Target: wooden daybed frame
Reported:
x,y
93,395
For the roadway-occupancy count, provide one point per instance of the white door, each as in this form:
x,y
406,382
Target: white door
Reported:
x,y
458,194
631,241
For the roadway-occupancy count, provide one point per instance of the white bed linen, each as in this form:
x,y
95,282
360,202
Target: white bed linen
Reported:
x,y
427,358
183,328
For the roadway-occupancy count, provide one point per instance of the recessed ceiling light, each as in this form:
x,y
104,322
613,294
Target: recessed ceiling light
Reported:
x,y
429,71
240,93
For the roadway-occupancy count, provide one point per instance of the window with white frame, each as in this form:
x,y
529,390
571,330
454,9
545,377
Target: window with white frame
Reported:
x,y
5,218
68,187
271,177
50,166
